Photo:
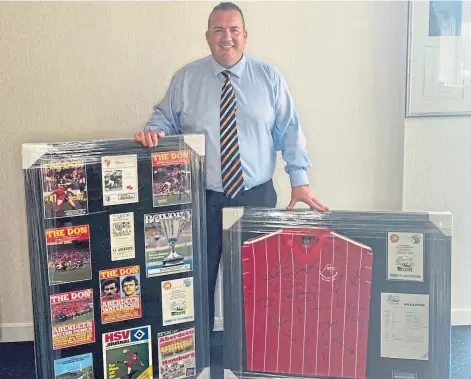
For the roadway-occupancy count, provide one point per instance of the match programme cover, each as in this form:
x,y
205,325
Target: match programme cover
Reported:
x,y
122,236
72,318
168,243
177,301
120,295
177,354
76,367
64,188
119,179
171,178
68,254
127,354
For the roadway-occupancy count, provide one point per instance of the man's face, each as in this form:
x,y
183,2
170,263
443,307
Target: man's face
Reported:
x,y
129,288
226,37
110,290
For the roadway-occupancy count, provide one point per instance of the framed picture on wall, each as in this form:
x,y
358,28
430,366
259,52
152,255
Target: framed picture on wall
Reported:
x,y
439,58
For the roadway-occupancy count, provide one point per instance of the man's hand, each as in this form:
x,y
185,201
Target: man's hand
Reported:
x,y
303,193
149,138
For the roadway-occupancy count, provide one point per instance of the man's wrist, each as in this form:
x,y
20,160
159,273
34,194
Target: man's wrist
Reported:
x,y
298,178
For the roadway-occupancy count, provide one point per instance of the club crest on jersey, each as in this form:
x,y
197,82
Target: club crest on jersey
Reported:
x,y
328,273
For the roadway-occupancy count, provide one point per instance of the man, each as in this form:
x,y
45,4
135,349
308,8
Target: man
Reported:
x,y
110,290
130,286
62,196
133,359
247,114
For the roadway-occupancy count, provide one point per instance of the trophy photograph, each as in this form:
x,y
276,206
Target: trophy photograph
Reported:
x,y
168,243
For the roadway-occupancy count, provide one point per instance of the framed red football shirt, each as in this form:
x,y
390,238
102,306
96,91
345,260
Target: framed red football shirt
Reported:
x,y
306,303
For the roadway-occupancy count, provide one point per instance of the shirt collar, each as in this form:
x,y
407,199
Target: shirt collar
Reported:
x,y
237,69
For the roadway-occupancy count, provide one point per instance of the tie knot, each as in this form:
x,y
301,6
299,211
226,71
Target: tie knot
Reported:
x,y
227,74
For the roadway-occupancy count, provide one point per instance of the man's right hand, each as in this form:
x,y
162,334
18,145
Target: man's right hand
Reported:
x,y
149,138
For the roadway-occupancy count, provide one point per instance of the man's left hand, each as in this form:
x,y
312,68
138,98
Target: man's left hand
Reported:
x,y
303,193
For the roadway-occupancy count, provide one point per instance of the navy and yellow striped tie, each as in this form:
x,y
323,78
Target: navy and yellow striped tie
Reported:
x,y
231,167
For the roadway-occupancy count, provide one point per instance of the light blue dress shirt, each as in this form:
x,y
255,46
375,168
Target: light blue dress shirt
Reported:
x,y
266,118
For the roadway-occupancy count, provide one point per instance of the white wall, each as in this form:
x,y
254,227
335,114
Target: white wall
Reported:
x,y
436,177
346,65
94,70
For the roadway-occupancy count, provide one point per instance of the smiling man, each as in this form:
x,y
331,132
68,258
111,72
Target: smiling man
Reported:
x,y
244,108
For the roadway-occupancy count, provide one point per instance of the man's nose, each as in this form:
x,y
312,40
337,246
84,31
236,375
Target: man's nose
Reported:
x,y
227,35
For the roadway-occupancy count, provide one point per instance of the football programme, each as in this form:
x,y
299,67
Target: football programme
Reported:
x,y
76,367
127,354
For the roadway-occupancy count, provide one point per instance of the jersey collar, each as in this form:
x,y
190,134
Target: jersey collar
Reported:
x,y
306,244
237,70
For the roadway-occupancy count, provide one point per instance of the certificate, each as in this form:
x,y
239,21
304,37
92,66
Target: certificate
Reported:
x,y
406,256
404,326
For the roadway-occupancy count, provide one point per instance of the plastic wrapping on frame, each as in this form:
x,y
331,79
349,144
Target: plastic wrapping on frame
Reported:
x,y
117,242
336,295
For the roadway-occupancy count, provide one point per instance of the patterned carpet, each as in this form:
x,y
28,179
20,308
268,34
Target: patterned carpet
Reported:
x,y
17,359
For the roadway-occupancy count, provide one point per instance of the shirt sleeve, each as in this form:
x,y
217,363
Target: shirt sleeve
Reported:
x,y
287,134
166,114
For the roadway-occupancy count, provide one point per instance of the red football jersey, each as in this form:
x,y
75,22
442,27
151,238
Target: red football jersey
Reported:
x,y
60,193
306,303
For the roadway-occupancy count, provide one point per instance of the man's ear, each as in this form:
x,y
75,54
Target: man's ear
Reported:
x,y
207,36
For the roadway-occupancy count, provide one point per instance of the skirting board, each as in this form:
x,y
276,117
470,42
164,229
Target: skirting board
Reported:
x,y
17,332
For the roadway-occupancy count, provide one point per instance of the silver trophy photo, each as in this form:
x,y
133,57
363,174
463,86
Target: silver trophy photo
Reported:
x,y
172,229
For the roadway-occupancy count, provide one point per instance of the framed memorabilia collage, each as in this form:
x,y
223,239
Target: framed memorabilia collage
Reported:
x,y
439,58
116,246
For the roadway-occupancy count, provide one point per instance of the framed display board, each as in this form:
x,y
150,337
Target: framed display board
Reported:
x,y
343,294
439,58
117,258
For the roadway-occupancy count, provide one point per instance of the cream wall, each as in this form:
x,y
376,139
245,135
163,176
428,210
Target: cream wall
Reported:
x,y
436,177
94,70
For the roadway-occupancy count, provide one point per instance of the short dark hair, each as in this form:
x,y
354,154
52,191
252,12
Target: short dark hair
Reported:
x,y
108,282
226,6
130,278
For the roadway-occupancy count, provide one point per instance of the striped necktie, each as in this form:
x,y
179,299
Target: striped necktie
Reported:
x,y
231,168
